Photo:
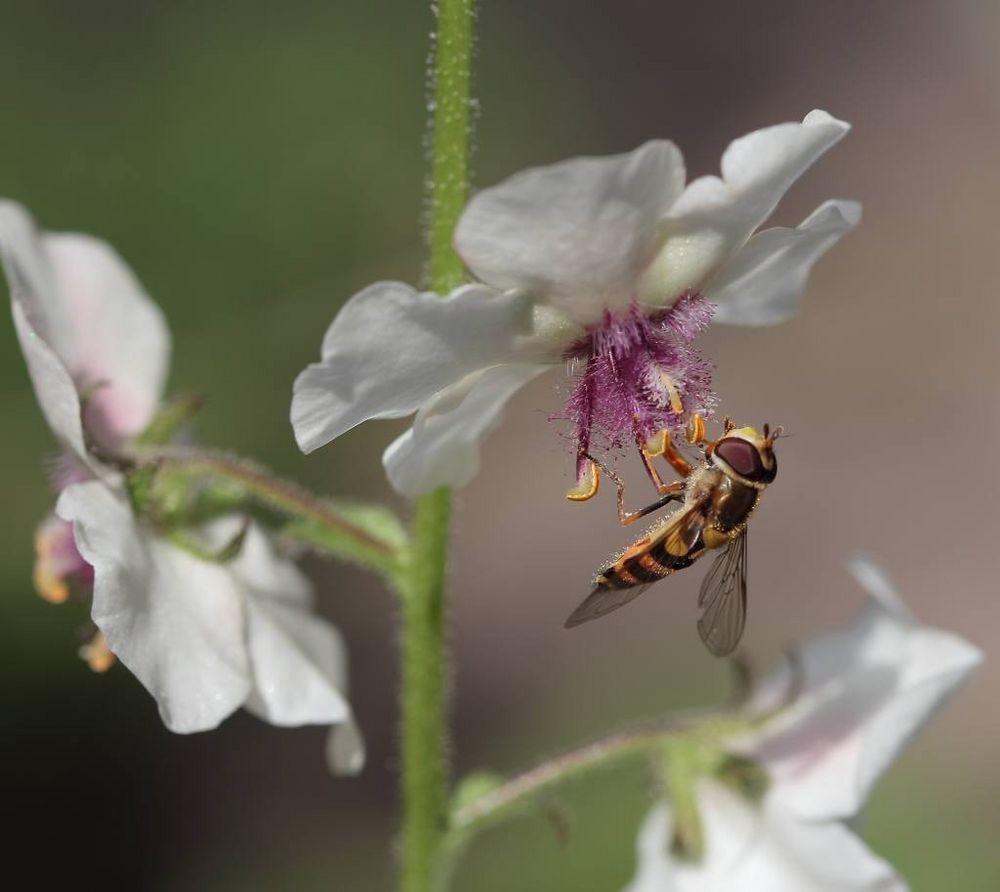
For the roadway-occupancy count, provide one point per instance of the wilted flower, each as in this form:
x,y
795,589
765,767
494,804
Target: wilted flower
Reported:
x,y
203,637
611,264
865,690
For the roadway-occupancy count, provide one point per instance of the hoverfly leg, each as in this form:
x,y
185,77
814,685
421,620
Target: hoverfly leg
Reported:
x,y
661,444
670,492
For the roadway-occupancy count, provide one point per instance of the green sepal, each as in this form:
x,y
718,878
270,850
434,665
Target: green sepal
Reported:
x,y
745,777
682,765
139,484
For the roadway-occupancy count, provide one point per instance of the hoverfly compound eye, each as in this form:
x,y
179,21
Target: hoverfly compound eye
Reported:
x,y
743,457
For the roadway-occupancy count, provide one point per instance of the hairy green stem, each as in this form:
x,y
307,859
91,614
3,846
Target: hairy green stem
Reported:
x,y
196,485
425,784
688,744
424,718
450,138
601,755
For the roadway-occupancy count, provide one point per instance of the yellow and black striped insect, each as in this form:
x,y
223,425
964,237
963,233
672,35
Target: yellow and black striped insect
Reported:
x,y
719,495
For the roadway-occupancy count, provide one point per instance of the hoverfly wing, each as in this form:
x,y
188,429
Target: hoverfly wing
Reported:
x,y
723,599
669,545
602,601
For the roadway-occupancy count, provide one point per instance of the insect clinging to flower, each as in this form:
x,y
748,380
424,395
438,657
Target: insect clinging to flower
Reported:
x,y
719,495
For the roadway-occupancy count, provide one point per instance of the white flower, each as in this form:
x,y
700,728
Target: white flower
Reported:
x,y
866,689
203,637
612,262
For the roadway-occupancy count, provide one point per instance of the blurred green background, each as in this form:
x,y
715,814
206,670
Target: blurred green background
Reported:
x,y
256,163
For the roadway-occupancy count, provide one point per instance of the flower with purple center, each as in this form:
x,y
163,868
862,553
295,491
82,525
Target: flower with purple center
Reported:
x,y
614,264
641,375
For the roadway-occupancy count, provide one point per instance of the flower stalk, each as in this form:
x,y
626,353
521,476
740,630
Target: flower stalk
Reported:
x,y
424,757
178,487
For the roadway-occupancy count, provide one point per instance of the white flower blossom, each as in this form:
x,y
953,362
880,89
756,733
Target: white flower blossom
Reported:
x,y
204,638
611,262
865,690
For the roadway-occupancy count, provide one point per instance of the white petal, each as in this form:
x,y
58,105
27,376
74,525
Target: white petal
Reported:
x,y
442,448
298,660
391,349
577,233
175,621
656,869
345,749
715,216
54,387
121,339
764,282
82,300
866,690
752,848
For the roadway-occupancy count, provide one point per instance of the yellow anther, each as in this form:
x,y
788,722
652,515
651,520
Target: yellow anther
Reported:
x,y
49,586
96,653
676,406
696,429
48,583
586,487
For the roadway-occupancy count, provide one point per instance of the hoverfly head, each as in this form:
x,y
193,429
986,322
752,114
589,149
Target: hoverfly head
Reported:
x,y
746,453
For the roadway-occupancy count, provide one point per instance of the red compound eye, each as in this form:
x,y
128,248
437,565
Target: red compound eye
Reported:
x,y
742,457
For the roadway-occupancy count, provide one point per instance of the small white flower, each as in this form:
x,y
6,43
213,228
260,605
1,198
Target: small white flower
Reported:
x,y
204,638
613,263
865,690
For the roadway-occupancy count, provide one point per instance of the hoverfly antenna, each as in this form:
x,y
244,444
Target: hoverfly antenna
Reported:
x,y
767,431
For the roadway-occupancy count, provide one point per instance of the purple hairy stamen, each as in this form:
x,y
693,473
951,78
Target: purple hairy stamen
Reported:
x,y
641,376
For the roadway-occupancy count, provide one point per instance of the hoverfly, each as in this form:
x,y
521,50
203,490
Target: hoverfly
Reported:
x,y
719,494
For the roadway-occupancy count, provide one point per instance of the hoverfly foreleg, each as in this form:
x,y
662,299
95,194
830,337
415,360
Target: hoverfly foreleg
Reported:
x,y
661,444
670,492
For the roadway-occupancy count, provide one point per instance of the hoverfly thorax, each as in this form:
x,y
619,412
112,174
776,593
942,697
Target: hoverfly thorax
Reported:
x,y
747,455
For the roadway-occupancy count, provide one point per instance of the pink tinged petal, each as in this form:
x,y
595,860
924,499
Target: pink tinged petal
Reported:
x,y
577,234
391,349
764,283
751,848
75,295
443,445
121,340
345,749
715,216
175,621
867,689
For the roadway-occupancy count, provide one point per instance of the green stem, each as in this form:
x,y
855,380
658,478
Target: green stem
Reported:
x,y
424,781
425,790
367,535
452,126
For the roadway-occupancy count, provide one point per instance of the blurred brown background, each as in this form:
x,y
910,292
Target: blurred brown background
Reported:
x,y
257,163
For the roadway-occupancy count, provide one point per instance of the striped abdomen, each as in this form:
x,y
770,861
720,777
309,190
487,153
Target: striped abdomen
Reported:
x,y
646,562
